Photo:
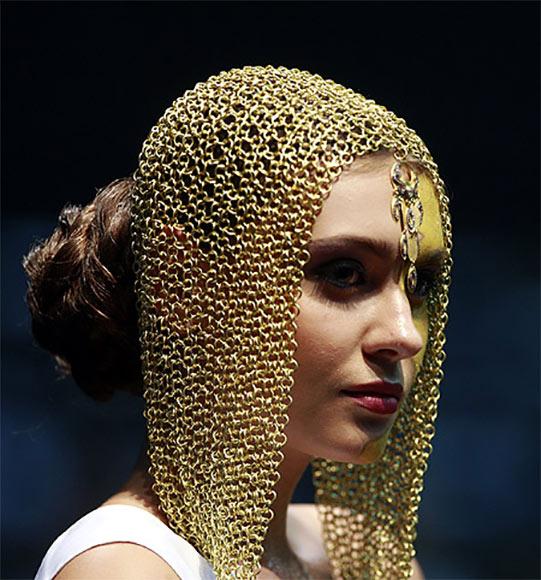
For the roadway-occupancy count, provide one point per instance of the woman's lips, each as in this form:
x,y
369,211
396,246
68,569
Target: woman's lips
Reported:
x,y
379,397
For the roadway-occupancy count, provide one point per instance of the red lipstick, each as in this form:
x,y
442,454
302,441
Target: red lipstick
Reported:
x,y
379,397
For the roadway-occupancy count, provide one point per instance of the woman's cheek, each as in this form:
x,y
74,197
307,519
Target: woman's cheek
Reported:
x,y
310,344
326,343
316,338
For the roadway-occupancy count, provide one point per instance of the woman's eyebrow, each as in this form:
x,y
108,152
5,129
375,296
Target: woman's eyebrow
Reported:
x,y
434,258
381,248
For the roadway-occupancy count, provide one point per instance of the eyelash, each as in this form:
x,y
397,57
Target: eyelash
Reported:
x,y
326,276
426,278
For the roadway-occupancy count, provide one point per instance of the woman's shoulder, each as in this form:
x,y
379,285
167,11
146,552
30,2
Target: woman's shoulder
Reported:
x,y
125,539
108,543
122,561
148,548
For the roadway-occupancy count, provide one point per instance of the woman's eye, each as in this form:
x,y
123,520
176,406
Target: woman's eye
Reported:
x,y
342,273
425,282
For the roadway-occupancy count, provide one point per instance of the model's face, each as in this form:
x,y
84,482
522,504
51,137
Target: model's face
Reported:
x,y
360,336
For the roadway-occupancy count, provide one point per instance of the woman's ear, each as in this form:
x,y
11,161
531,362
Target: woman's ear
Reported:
x,y
168,294
175,232
177,250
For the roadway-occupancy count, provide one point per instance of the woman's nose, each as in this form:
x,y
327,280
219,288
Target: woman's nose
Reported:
x,y
392,334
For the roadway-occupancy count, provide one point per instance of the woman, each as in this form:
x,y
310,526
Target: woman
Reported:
x,y
291,245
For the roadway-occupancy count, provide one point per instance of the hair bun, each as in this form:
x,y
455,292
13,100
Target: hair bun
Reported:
x,y
81,295
67,217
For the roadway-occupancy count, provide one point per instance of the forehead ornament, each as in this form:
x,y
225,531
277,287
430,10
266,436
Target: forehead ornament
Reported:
x,y
407,210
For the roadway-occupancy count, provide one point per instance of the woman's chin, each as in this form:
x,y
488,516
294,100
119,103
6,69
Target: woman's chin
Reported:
x,y
373,450
359,452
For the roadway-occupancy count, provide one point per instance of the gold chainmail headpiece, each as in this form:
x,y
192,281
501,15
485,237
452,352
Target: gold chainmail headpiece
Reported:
x,y
230,182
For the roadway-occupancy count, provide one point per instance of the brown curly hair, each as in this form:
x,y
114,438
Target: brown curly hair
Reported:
x,y
81,294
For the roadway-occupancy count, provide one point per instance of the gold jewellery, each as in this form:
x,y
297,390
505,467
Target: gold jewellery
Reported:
x,y
408,211
230,182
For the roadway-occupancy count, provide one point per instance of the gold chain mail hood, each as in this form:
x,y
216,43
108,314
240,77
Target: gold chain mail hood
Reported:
x,y
230,182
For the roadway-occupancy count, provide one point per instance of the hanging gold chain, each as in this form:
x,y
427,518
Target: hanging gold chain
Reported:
x,y
230,182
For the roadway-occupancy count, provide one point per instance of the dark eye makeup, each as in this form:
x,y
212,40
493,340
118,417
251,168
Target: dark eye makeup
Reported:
x,y
337,274
346,278
426,278
342,273
337,280
428,269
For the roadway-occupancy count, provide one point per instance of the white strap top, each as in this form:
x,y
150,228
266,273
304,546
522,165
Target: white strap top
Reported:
x,y
125,523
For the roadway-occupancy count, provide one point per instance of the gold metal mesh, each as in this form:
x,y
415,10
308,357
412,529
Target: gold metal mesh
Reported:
x,y
230,182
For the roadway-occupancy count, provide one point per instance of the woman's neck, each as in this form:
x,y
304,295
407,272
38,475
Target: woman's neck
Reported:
x,y
291,470
138,489
277,552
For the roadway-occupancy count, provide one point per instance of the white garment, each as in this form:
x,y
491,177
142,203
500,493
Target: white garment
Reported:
x,y
125,523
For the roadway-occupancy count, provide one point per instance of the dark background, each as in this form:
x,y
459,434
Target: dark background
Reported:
x,y
82,84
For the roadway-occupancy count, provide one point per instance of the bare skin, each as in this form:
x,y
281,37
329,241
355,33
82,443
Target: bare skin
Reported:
x,y
122,560
356,325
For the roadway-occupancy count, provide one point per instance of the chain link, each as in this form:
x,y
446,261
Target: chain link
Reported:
x,y
230,182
